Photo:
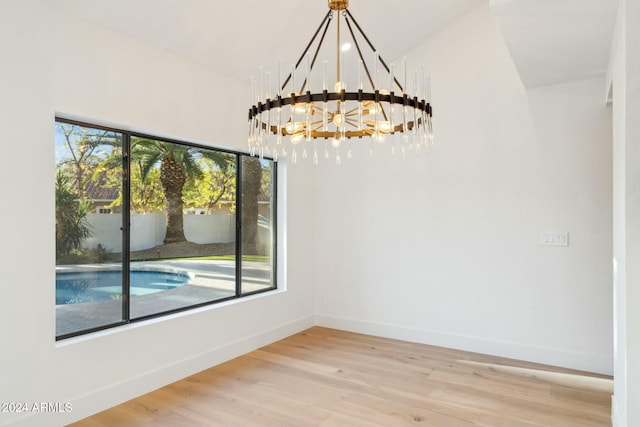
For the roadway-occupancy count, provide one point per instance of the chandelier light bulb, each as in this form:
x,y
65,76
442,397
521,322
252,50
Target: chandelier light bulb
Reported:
x,y
371,108
338,120
296,138
384,126
379,137
293,127
300,108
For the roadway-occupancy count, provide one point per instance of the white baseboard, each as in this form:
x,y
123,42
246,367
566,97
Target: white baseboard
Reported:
x,y
601,364
614,411
115,394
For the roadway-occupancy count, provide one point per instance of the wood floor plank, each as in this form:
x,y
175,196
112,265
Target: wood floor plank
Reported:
x,y
325,377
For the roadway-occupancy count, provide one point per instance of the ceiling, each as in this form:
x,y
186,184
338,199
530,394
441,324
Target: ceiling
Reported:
x,y
557,41
235,37
551,41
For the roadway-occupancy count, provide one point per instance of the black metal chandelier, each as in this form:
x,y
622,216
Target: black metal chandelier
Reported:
x,y
314,118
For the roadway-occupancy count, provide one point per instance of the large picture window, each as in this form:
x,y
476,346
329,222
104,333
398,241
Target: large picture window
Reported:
x,y
147,226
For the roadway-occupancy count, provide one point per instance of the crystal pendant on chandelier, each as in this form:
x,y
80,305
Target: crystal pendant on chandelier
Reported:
x,y
324,110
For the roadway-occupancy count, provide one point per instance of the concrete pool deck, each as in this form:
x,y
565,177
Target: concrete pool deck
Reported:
x,y
211,280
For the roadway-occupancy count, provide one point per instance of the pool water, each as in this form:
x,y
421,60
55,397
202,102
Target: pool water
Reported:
x,y
78,287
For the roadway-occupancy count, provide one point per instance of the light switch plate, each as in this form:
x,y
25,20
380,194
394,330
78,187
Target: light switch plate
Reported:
x,y
552,238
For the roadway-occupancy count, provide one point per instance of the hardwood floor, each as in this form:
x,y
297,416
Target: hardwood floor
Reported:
x,y
326,377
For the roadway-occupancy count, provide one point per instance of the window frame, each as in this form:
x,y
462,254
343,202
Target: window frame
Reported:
x,y
127,136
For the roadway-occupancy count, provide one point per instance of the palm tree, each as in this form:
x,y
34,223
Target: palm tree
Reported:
x,y
177,166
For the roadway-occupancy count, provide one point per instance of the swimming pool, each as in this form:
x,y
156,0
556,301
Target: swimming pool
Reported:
x,y
87,286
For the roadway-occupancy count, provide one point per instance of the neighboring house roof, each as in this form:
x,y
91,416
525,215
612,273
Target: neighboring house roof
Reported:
x,y
96,192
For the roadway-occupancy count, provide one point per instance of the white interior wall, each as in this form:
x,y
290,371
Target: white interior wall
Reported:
x,y
444,248
624,73
632,207
55,63
616,76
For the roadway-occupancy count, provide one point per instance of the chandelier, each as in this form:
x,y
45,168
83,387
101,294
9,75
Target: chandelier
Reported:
x,y
321,114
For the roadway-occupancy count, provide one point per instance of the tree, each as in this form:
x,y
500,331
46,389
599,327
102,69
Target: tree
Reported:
x,y
79,152
85,151
217,183
177,166
147,194
72,227
251,183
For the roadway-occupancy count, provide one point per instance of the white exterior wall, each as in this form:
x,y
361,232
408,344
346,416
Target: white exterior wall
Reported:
x,y
149,230
53,63
444,249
